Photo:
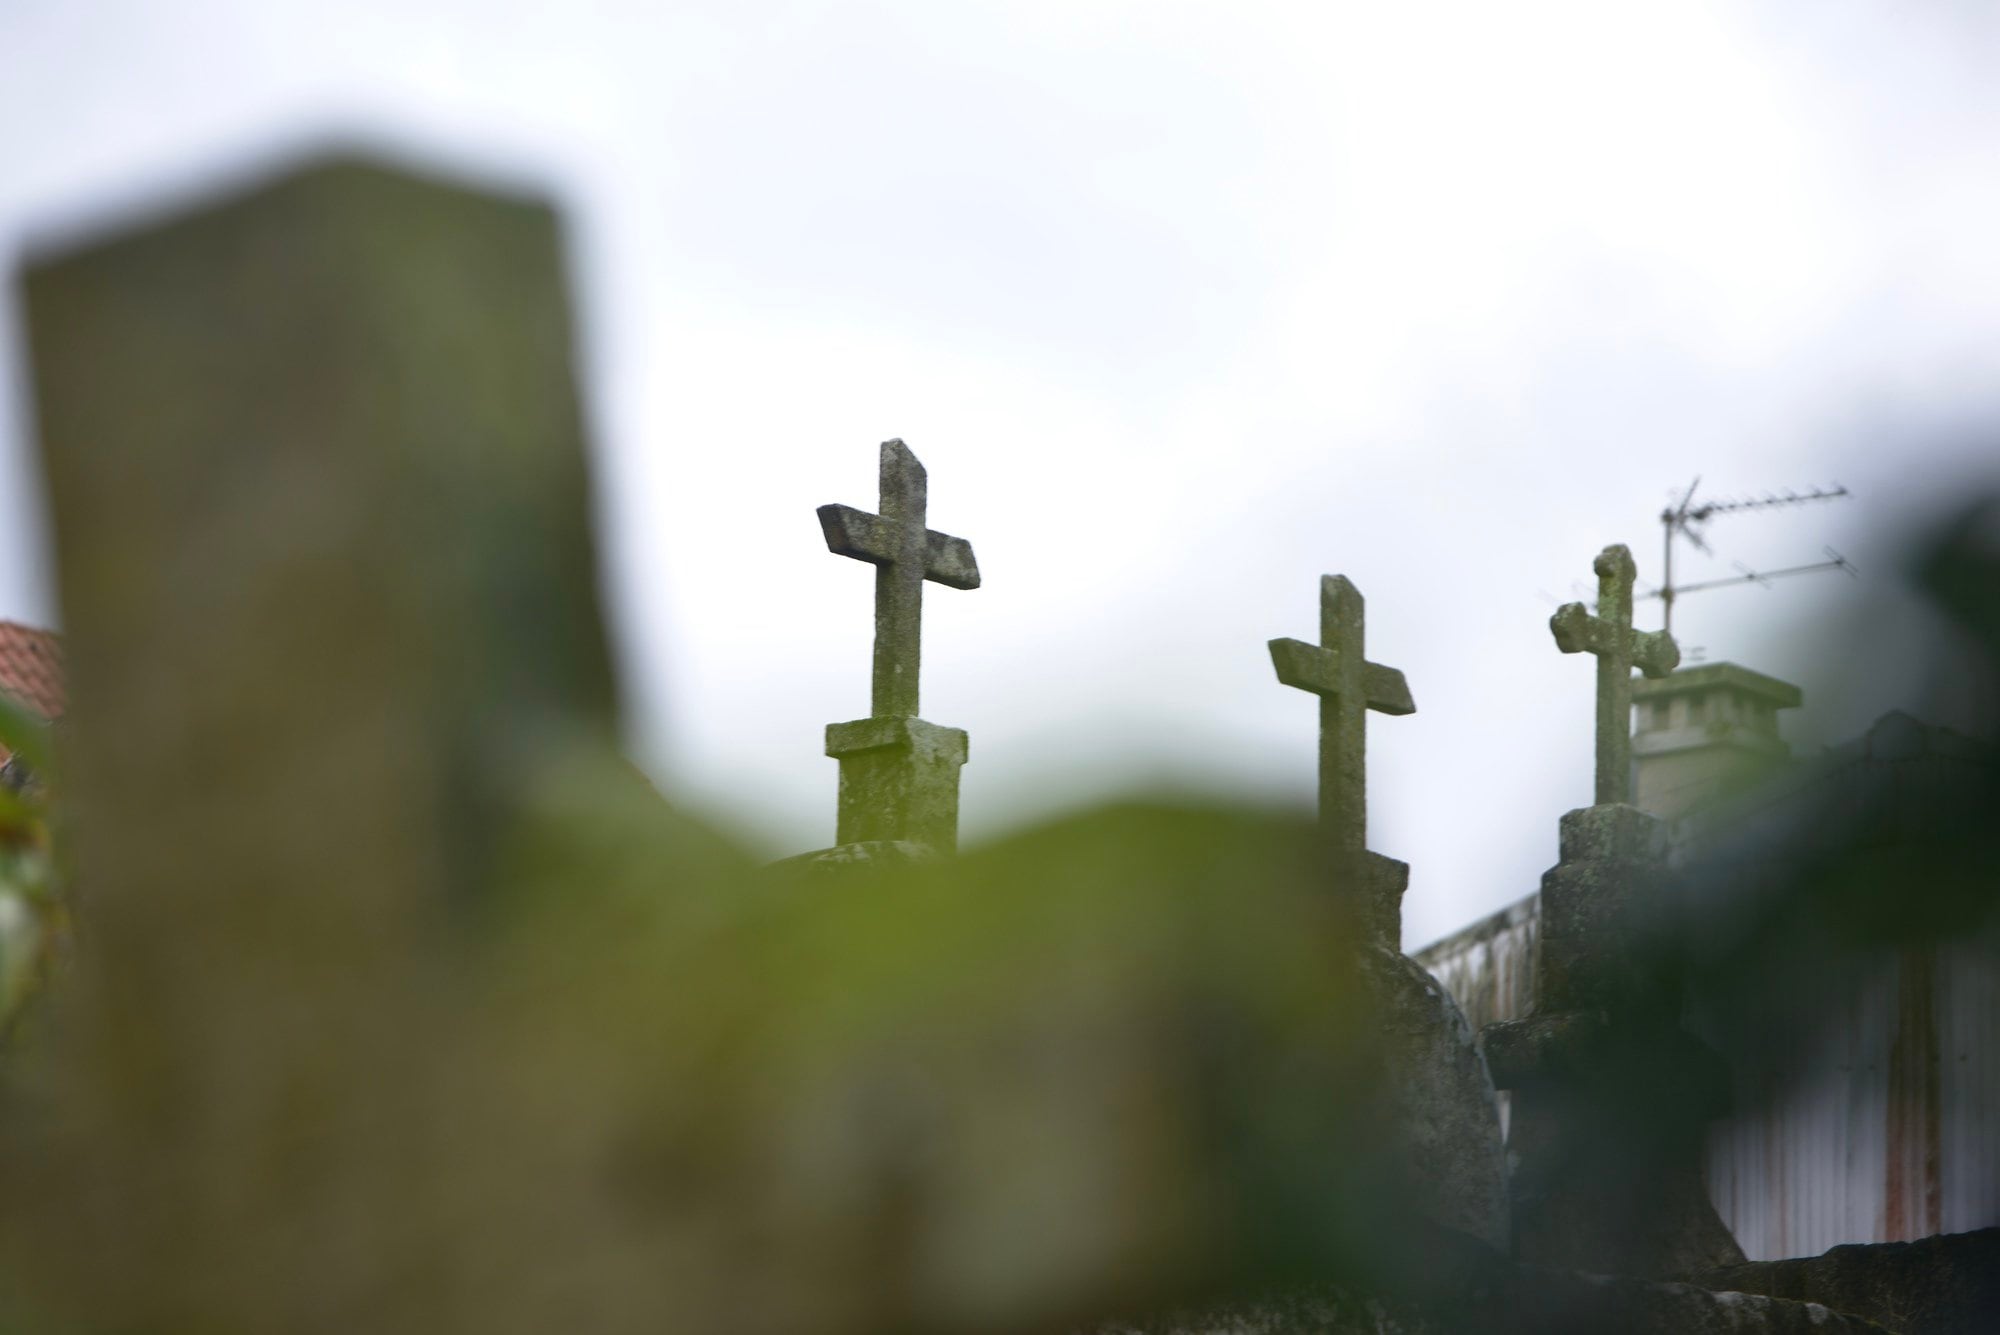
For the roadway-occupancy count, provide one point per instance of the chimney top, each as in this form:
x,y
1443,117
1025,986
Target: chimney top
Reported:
x,y
1723,676
1703,733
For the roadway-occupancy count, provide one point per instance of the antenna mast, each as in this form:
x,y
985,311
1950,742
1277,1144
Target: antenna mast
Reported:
x,y
1684,517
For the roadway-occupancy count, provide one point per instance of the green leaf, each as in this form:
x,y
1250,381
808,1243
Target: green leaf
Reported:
x,y
26,735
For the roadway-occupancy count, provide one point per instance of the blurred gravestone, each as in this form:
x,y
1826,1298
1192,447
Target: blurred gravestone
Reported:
x,y
322,533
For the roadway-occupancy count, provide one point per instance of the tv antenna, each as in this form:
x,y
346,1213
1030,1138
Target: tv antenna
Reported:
x,y
1686,517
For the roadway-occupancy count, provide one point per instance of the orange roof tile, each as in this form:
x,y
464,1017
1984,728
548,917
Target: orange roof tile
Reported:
x,y
31,668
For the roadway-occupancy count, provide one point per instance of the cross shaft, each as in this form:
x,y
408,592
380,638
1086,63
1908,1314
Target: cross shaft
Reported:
x,y
1619,649
1348,686
904,554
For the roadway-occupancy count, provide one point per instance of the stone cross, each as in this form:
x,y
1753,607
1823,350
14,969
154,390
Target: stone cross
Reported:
x,y
1619,649
898,773
905,554
1347,686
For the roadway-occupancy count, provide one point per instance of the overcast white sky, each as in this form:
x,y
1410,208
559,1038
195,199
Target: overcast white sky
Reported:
x,y
1182,305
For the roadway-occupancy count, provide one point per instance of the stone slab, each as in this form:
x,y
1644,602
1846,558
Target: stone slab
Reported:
x,y
1578,1047
1943,1285
872,855
1508,1300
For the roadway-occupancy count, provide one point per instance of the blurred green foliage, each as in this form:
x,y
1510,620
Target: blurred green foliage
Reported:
x,y
1105,1065
33,912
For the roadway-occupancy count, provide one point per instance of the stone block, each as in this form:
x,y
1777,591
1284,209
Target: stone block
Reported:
x,y
1585,955
1612,832
898,781
1659,1070
1613,870
1542,1048
1373,886
869,857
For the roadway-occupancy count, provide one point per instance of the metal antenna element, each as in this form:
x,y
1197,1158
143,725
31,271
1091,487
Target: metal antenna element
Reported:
x,y
1685,518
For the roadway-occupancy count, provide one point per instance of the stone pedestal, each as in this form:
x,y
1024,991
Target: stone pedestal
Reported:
x,y
898,781
1611,868
1611,1096
1373,886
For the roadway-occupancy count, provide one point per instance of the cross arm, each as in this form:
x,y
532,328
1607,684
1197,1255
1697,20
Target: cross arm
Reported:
x,y
1306,666
1576,630
856,533
1312,667
1654,652
1387,691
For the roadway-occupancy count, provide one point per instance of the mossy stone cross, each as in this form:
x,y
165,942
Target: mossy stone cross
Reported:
x,y
904,554
1619,649
1347,686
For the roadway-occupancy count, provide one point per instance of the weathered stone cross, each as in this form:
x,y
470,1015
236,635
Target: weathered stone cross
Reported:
x,y
898,773
1348,686
905,554
1619,649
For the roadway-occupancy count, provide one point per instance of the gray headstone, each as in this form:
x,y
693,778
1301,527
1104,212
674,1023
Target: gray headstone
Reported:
x,y
330,599
320,443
